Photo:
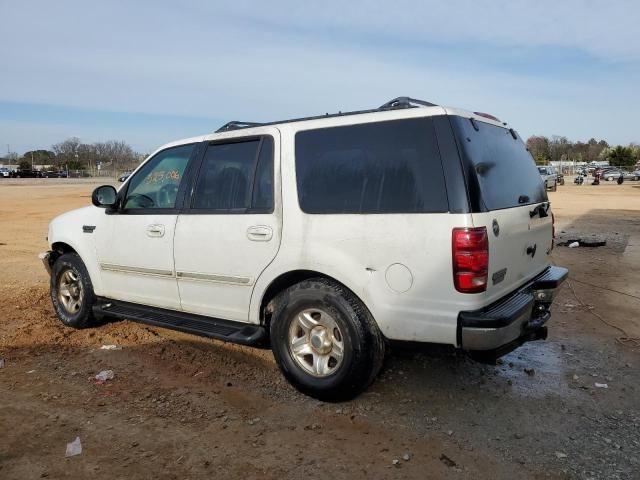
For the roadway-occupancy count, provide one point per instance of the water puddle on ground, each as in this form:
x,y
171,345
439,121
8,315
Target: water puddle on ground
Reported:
x,y
537,369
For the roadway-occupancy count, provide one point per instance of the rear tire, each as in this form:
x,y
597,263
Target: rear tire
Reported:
x,y
72,291
325,341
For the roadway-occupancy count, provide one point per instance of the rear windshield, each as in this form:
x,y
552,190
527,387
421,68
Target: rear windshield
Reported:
x,y
500,165
382,167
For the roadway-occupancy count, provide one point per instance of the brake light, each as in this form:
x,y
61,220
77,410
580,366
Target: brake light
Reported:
x,y
487,115
470,251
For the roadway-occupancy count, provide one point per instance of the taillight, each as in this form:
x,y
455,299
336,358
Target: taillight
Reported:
x,y
470,250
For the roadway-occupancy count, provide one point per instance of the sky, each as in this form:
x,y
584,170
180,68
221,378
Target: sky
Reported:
x,y
149,72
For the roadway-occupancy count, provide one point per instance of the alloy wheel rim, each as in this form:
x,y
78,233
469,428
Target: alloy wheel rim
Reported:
x,y
316,342
70,291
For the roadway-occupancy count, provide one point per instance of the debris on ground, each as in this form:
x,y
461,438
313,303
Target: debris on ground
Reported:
x,y
601,385
74,448
110,347
406,457
1,362
105,375
529,371
574,245
395,461
561,455
447,461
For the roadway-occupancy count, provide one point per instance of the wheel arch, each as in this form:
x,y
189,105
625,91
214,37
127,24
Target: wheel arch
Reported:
x,y
288,279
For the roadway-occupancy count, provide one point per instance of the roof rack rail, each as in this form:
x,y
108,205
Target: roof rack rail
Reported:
x,y
405,102
235,124
396,103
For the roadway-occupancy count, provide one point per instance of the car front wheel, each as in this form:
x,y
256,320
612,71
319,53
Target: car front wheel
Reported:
x,y
325,341
72,292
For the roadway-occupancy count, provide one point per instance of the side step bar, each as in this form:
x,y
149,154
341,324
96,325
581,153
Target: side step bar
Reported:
x,y
226,330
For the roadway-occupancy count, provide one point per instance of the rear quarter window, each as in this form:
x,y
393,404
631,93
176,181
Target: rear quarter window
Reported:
x,y
502,173
382,167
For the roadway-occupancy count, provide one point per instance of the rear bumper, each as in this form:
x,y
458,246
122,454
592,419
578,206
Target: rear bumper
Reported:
x,y
517,318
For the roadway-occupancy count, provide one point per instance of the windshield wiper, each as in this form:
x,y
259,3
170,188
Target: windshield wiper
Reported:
x,y
540,210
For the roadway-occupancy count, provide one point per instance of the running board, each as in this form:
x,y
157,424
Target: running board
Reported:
x,y
226,330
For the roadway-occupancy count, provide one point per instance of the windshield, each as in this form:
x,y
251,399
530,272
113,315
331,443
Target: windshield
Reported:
x,y
499,165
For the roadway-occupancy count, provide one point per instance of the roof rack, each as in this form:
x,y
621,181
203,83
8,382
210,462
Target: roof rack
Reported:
x,y
396,103
236,124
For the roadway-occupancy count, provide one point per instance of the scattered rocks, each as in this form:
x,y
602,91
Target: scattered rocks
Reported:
x,y
406,457
561,455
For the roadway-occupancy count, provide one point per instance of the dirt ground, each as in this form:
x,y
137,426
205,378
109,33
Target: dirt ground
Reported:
x,y
185,407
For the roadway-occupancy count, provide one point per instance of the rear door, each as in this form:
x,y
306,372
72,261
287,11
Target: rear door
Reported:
x,y
231,228
509,199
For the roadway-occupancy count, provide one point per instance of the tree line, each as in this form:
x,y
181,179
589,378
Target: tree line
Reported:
x,y
72,154
559,148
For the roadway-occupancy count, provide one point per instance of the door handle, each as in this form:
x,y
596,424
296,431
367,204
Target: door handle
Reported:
x,y
260,233
155,230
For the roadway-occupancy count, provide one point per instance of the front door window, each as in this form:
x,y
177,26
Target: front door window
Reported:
x,y
156,184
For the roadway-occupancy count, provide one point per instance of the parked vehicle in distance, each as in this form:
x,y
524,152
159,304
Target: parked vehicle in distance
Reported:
x,y
20,173
549,177
124,176
323,238
610,174
5,172
54,174
635,175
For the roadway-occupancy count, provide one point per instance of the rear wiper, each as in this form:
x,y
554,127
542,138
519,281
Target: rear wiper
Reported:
x,y
540,210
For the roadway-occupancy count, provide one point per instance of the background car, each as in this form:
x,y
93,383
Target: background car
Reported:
x,y
124,176
19,173
549,177
4,172
610,174
54,174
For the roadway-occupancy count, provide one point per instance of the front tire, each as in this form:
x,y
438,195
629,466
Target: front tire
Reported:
x,y
72,291
325,341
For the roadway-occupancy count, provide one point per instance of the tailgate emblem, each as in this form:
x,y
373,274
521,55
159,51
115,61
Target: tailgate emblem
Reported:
x,y
495,227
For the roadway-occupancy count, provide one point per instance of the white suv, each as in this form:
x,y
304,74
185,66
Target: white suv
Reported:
x,y
322,237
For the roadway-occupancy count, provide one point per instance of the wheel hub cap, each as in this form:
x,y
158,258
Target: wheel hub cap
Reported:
x,y
316,342
70,291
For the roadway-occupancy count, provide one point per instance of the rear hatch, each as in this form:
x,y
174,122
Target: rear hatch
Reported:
x,y
508,198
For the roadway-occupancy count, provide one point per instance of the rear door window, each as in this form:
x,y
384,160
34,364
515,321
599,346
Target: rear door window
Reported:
x,y
499,164
382,167
236,177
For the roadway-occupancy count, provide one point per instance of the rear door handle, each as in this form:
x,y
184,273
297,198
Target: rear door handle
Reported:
x,y
260,233
155,230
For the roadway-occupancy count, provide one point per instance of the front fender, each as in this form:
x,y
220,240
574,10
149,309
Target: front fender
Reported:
x,y
72,230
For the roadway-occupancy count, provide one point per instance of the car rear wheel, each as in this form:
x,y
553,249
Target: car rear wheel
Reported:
x,y
325,341
72,292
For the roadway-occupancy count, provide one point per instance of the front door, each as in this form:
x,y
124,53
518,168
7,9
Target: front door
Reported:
x,y
135,244
230,230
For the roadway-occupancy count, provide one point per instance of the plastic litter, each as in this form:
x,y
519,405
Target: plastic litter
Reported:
x,y
74,448
601,385
105,375
574,245
110,347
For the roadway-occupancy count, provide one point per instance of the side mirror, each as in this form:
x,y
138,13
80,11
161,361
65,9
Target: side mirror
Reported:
x,y
105,196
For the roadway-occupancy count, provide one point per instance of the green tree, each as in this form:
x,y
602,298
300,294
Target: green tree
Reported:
x,y
621,156
24,165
